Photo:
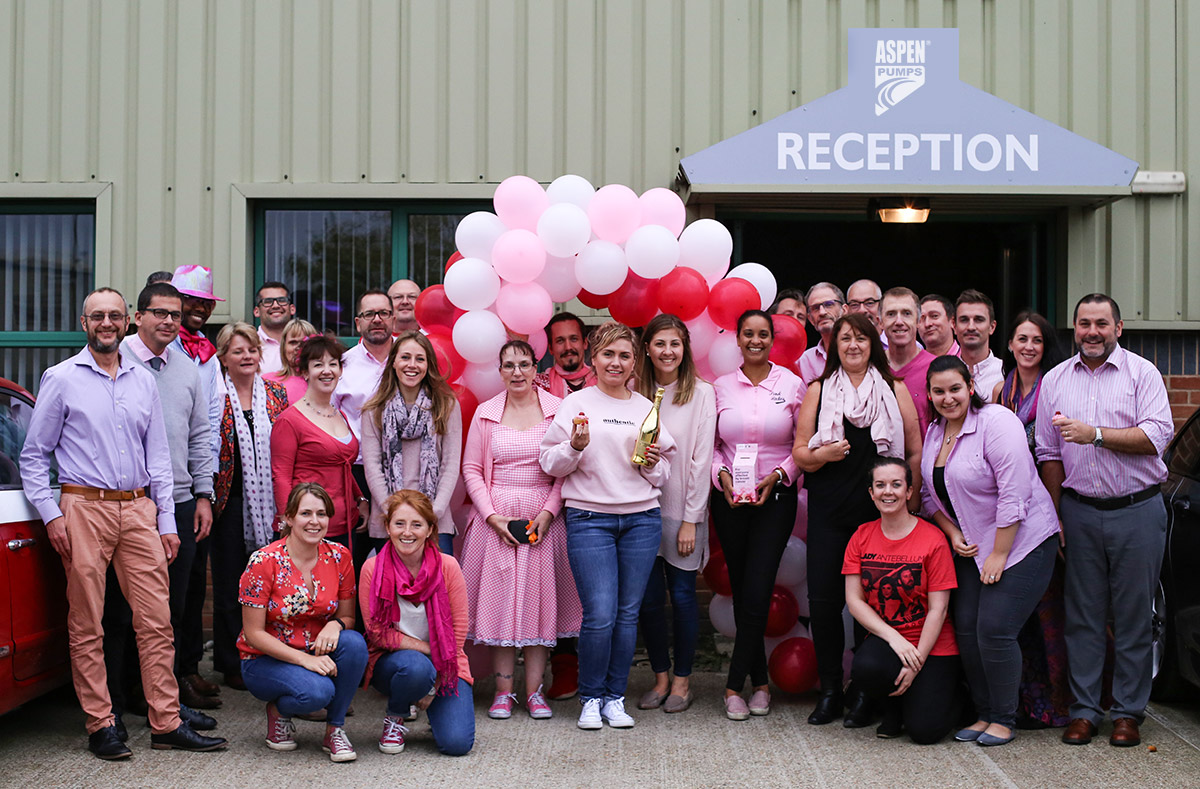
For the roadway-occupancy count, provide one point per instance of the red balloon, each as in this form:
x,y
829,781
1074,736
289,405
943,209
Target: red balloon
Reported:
x,y
450,363
793,665
683,293
434,310
596,302
729,299
784,612
716,575
790,340
635,302
457,256
467,403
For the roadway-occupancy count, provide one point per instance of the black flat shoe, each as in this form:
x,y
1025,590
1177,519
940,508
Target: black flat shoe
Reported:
x,y
196,719
184,739
828,709
119,726
106,744
860,712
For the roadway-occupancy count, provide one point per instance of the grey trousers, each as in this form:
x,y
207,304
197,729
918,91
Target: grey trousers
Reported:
x,y
1113,561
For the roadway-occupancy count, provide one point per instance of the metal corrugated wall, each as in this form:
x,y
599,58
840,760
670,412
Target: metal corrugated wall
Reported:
x,y
174,101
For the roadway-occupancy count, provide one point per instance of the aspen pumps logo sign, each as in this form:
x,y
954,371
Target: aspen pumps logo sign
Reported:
x,y
899,71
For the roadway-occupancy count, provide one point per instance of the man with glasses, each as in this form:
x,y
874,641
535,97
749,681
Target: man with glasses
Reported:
x,y
100,416
185,412
274,308
403,295
826,303
865,296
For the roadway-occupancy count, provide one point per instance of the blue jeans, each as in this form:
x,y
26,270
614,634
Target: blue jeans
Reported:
x,y
686,613
446,544
296,690
405,676
611,557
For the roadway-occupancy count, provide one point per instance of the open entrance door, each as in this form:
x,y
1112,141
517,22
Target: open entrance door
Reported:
x,y
1008,258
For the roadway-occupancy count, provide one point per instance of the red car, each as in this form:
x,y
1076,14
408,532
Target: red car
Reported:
x,y
33,589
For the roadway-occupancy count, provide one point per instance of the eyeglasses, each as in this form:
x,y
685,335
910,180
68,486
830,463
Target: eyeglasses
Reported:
x,y
370,315
824,305
858,304
282,301
524,367
162,315
405,297
98,317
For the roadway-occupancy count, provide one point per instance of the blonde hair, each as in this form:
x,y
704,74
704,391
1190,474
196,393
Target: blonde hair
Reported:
x,y
236,329
296,326
609,332
434,383
687,367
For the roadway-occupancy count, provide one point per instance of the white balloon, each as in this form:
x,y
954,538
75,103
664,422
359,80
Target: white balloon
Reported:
x,y
724,357
720,611
524,307
800,592
483,379
472,284
761,278
476,234
478,336
706,245
573,189
558,278
701,331
652,251
793,565
601,267
564,229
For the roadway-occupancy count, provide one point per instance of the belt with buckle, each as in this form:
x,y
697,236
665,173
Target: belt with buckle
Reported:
x,y
99,494
1120,502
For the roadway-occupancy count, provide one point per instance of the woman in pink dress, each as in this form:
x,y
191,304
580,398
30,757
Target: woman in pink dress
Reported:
x,y
521,595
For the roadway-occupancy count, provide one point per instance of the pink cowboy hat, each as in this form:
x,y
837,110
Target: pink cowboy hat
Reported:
x,y
194,281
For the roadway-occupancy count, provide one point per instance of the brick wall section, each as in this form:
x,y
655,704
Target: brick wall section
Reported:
x,y
1183,391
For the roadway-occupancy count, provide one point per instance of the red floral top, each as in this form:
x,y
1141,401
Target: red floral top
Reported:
x,y
271,581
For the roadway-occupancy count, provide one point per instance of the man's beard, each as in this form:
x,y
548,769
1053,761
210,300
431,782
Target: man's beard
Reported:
x,y
94,343
572,365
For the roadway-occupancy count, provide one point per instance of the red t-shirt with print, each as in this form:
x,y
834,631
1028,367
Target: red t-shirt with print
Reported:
x,y
271,581
898,575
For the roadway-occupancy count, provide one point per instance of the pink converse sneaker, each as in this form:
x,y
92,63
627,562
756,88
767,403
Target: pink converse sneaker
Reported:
x,y
392,738
337,745
502,705
537,706
280,730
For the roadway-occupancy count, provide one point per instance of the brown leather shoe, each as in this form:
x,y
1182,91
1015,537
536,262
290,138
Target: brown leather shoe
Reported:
x,y
1125,733
201,685
234,680
189,696
1079,732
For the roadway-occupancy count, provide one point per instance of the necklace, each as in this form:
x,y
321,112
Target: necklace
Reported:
x,y
318,411
953,437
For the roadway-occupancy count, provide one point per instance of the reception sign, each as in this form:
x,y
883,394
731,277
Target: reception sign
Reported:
x,y
906,119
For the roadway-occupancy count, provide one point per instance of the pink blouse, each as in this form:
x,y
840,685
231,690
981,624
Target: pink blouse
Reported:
x,y
764,414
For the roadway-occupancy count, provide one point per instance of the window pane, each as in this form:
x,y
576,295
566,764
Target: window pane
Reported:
x,y
47,264
430,245
327,258
24,365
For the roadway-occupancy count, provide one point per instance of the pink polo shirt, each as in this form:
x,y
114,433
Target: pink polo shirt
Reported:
x,y
812,363
764,414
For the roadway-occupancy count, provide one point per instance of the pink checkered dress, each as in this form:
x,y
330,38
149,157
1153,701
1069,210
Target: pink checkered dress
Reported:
x,y
521,596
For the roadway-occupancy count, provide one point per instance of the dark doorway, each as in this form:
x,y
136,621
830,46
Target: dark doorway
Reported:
x,y
1010,259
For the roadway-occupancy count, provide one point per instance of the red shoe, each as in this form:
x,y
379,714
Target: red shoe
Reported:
x,y
564,672
280,730
337,745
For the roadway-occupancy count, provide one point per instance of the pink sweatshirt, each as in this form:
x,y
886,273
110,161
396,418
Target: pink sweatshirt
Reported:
x,y
602,478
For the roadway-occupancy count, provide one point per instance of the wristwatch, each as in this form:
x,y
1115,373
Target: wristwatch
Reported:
x,y
1098,441
207,496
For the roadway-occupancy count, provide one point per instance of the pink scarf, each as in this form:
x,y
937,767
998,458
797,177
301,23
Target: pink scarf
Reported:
x,y
557,379
392,578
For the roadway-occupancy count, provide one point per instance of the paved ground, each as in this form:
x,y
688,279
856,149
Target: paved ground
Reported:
x,y
42,745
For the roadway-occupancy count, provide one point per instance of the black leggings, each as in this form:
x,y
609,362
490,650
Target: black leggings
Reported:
x,y
931,705
753,539
826,599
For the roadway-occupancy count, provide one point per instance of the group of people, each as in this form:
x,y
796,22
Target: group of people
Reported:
x,y
322,484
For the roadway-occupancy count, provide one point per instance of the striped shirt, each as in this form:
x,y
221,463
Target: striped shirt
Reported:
x,y
1125,391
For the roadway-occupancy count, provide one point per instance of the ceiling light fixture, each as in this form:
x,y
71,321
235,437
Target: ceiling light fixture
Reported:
x,y
905,210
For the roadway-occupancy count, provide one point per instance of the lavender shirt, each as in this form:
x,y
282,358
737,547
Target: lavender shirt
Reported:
x,y
105,433
992,482
1125,391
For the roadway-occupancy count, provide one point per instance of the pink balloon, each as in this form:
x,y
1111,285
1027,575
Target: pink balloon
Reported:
x,y
520,201
524,307
663,207
539,342
725,356
518,256
702,332
615,213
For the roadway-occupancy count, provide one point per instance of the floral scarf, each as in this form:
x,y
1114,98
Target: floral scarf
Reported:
x,y
403,422
258,499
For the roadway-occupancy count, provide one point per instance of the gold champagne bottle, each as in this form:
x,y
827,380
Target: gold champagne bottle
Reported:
x,y
648,432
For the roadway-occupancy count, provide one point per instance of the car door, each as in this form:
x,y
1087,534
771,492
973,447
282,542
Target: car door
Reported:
x,y
1182,558
33,604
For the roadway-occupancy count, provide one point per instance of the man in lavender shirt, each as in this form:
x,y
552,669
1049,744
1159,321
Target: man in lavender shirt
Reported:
x,y
99,414
1106,421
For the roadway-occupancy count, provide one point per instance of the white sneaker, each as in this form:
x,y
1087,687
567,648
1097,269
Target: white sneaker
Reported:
x,y
613,711
590,717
